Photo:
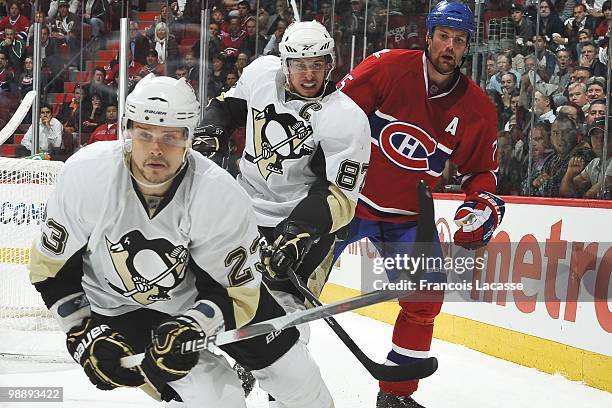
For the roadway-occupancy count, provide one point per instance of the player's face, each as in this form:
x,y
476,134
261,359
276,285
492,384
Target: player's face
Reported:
x,y
157,151
306,75
446,48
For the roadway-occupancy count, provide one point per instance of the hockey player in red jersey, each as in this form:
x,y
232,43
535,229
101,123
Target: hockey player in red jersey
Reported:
x,y
423,112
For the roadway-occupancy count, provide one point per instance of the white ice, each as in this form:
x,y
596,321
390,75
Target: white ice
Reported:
x,y
466,378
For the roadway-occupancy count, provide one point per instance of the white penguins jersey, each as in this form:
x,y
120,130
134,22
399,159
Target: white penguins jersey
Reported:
x,y
293,142
135,258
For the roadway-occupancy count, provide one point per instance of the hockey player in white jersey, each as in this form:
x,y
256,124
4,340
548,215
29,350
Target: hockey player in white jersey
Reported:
x,y
306,154
146,235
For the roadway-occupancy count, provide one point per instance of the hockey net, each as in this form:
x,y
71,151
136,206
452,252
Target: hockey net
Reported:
x,y
24,188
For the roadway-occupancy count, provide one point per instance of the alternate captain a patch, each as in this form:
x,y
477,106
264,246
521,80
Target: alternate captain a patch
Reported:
x,y
149,269
276,138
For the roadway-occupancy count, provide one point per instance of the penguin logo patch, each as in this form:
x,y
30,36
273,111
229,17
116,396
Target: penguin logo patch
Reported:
x,y
148,269
277,137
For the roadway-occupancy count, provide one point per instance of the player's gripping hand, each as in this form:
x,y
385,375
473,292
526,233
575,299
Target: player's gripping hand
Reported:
x,y
477,218
213,142
291,243
99,348
163,361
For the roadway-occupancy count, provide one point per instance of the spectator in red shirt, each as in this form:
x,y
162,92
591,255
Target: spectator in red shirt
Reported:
x,y
231,41
108,130
20,23
7,75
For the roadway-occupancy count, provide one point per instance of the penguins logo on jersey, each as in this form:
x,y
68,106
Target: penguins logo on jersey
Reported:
x,y
278,137
148,269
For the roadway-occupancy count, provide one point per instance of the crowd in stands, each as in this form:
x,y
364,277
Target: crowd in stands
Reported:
x,y
551,147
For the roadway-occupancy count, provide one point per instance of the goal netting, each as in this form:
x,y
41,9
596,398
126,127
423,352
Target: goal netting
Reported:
x,y
25,322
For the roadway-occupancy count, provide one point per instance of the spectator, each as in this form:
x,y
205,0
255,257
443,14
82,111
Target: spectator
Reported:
x,y
70,112
272,47
550,23
574,112
580,74
191,64
491,70
95,13
66,28
496,99
49,135
18,22
163,17
41,18
584,36
98,86
26,78
242,60
14,48
54,7
515,117
7,74
244,13
585,180
590,60
524,29
574,26
503,67
508,88
564,138
219,18
596,88
541,149
51,58
139,44
546,59
248,45
603,27
508,174
231,42
107,130
544,107
166,47
597,109
230,80
94,114
152,66
561,77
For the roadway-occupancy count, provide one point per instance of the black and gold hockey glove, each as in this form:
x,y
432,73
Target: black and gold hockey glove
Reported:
x,y
99,348
163,360
213,142
291,243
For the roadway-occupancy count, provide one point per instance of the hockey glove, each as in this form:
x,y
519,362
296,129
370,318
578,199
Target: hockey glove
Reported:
x,y
477,218
98,348
212,142
163,361
290,246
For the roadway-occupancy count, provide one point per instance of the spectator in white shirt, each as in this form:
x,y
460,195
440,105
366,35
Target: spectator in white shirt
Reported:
x,y
49,135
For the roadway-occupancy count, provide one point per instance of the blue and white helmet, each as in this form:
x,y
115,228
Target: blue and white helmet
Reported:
x,y
451,14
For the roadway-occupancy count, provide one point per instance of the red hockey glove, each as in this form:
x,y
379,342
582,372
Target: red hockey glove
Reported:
x,y
477,218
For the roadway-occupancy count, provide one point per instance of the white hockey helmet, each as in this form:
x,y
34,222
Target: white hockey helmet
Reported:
x,y
306,39
163,101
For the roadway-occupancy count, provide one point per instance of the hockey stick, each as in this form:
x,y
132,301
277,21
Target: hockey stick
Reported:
x,y
381,372
419,369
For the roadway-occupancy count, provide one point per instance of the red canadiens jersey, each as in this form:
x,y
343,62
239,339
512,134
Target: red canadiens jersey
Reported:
x,y
413,134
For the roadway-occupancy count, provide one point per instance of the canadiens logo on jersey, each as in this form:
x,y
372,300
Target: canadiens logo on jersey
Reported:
x,y
278,137
148,269
409,146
